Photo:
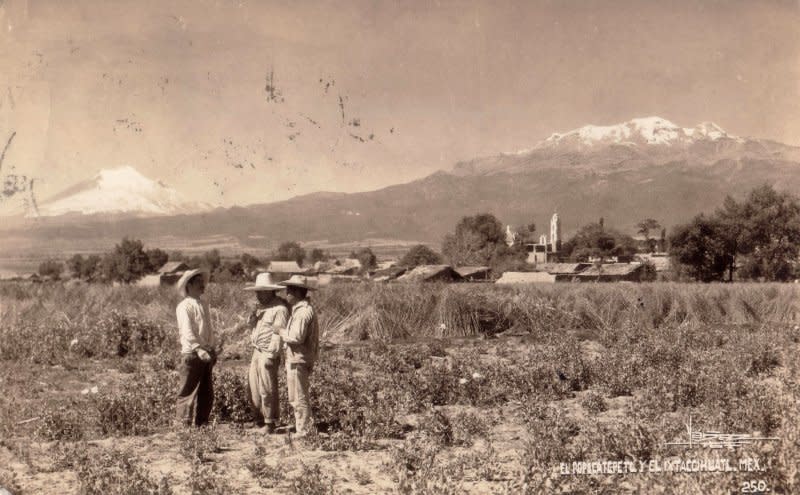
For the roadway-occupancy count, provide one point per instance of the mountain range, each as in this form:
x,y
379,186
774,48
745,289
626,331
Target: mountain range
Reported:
x,y
646,167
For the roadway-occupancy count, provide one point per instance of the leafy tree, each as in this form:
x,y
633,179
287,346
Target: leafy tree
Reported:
x,y
75,265
594,240
317,254
51,268
701,249
526,232
229,271
479,240
156,259
290,251
766,227
84,268
127,262
249,263
420,255
209,261
366,257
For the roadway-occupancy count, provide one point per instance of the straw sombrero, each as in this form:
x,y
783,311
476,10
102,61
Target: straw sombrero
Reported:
x,y
264,282
188,275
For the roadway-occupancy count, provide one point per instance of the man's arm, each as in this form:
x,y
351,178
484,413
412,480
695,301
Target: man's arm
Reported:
x,y
279,321
298,328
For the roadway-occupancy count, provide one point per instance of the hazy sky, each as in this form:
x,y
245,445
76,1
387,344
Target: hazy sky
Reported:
x,y
177,89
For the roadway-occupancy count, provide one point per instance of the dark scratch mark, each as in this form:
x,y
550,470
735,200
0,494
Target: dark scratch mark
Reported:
x,y
273,93
5,148
357,137
391,131
33,198
341,107
314,122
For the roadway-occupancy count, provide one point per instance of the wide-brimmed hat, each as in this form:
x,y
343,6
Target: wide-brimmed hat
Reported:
x,y
188,275
264,282
300,281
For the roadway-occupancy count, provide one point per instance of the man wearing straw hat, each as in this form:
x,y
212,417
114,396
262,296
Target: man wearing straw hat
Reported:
x,y
196,394
301,337
270,315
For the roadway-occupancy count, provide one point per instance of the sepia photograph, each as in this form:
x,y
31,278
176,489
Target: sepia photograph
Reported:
x,y
411,247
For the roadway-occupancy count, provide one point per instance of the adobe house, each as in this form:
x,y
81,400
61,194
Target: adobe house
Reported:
x,y
283,270
509,278
170,272
474,273
612,272
387,274
431,273
563,272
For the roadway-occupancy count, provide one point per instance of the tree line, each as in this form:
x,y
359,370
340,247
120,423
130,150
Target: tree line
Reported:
x,y
754,239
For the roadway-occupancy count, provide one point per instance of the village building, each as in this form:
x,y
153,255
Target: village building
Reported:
x,y
613,272
659,260
431,273
283,270
545,250
348,266
474,273
509,278
167,275
388,273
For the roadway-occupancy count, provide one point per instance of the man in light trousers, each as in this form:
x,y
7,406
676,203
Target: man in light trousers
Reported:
x,y
301,338
270,315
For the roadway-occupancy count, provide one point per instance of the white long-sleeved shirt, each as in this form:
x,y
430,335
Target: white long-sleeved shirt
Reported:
x,y
301,335
194,325
264,336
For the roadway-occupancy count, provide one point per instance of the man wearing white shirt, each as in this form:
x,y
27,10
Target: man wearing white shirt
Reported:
x,y
301,337
196,393
270,315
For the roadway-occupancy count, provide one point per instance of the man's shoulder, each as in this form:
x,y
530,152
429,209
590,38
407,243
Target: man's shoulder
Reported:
x,y
303,308
278,309
187,304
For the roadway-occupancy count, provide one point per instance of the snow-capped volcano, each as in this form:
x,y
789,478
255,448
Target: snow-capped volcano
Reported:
x,y
119,190
637,143
641,131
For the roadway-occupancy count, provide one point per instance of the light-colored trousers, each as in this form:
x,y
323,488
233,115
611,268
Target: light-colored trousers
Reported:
x,y
297,383
263,381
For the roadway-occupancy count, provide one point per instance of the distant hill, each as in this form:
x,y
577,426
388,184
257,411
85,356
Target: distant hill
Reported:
x,y
642,168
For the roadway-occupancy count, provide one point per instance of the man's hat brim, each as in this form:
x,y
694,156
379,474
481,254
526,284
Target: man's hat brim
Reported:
x,y
297,284
257,288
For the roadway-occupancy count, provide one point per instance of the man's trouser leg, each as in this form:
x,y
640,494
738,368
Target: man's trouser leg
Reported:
x,y
297,381
192,372
263,378
272,406
254,381
205,394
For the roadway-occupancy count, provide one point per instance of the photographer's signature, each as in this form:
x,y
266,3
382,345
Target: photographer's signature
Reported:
x,y
718,440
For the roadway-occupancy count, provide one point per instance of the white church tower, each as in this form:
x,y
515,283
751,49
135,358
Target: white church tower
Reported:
x,y
555,233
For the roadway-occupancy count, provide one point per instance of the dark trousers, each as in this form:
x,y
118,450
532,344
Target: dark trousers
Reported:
x,y
196,394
